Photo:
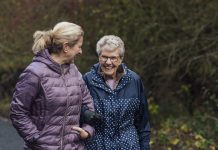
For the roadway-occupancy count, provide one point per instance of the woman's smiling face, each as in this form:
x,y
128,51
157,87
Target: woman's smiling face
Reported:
x,y
109,62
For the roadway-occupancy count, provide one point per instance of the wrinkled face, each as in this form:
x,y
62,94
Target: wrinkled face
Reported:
x,y
109,62
75,50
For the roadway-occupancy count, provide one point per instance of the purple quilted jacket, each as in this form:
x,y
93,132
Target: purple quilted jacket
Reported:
x,y
46,104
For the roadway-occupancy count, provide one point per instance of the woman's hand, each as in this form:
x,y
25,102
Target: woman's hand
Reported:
x,y
83,133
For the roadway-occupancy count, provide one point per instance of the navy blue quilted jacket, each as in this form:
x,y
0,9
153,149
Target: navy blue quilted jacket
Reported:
x,y
124,111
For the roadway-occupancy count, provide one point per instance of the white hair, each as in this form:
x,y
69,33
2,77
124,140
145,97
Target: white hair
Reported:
x,y
110,43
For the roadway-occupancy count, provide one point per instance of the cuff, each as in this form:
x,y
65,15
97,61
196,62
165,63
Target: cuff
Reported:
x,y
89,129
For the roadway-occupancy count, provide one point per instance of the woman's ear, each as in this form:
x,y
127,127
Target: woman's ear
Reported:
x,y
121,58
65,47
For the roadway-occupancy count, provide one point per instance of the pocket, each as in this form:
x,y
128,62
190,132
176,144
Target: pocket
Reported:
x,y
75,136
41,123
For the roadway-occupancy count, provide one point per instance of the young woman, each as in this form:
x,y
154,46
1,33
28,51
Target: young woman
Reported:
x,y
48,97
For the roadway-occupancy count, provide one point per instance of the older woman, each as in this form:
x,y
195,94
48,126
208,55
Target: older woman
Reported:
x,y
119,98
48,97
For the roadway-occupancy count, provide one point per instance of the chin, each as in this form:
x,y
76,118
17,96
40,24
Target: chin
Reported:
x,y
109,74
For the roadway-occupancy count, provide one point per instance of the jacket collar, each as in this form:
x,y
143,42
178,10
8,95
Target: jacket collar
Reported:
x,y
98,79
44,57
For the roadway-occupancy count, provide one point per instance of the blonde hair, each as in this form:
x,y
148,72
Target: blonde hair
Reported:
x,y
110,43
53,39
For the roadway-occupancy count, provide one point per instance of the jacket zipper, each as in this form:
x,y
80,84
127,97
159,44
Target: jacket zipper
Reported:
x,y
65,113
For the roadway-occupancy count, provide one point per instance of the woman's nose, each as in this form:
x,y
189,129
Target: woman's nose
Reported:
x,y
108,61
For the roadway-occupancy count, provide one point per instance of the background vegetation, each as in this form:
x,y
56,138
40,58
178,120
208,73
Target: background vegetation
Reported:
x,y
171,44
